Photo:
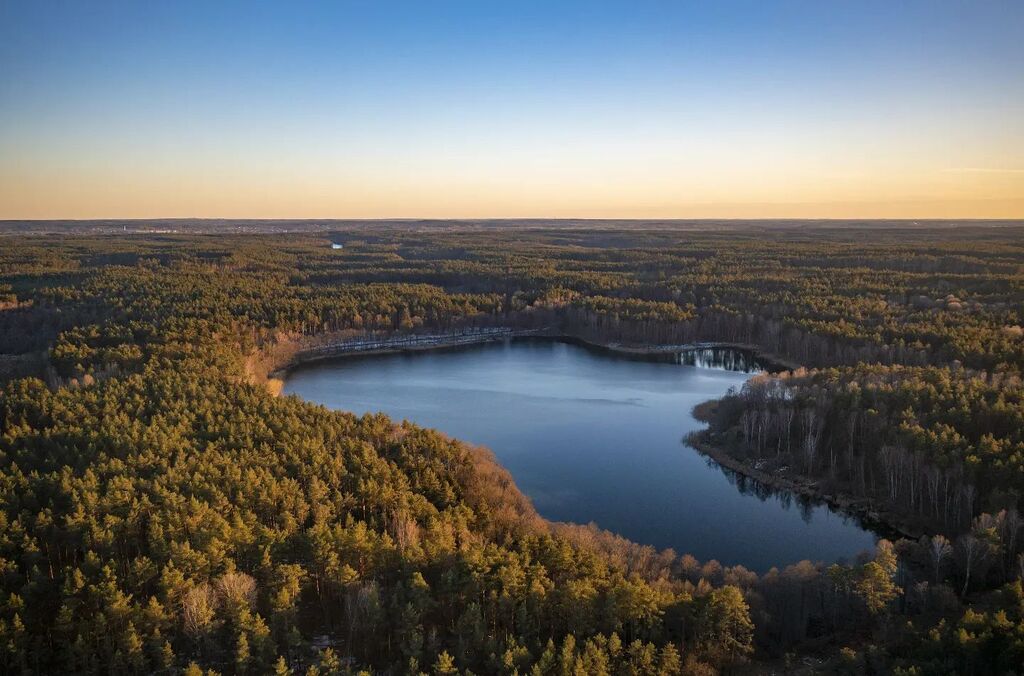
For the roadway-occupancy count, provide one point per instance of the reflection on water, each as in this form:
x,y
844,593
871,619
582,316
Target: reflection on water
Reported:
x,y
593,436
763,492
728,359
805,505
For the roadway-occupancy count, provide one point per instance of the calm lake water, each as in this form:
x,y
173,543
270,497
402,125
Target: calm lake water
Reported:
x,y
592,436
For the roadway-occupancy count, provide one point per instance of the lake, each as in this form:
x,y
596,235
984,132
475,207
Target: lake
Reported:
x,y
591,435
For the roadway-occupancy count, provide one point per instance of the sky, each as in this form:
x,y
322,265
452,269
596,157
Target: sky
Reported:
x,y
760,109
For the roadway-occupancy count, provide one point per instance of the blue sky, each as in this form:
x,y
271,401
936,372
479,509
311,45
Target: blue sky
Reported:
x,y
485,109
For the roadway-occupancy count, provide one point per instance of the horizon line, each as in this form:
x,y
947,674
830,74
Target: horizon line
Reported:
x,y
393,219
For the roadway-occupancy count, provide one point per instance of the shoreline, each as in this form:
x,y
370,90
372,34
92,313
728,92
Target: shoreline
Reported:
x,y
774,363
872,517
286,356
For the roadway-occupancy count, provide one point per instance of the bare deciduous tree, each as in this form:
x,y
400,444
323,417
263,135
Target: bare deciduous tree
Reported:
x,y
236,589
198,606
939,550
970,552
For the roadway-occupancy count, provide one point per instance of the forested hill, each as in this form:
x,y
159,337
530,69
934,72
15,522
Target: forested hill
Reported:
x,y
163,512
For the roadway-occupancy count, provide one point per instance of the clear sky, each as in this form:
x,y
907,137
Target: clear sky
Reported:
x,y
512,109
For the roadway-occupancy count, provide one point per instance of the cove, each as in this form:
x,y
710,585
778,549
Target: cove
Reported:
x,y
591,435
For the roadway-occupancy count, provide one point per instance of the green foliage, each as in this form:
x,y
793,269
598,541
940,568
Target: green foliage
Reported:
x,y
161,511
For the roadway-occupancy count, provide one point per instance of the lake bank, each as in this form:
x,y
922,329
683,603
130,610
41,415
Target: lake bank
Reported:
x,y
591,435
878,519
272,364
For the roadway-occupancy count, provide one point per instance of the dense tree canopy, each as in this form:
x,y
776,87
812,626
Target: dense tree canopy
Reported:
x,y
161,510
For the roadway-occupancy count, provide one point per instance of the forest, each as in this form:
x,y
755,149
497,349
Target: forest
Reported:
x,y
163,510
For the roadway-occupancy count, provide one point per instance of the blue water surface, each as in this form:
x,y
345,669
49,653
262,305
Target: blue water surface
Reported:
x,y
593,436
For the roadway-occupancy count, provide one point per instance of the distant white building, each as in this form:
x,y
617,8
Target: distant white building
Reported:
x,y
335,245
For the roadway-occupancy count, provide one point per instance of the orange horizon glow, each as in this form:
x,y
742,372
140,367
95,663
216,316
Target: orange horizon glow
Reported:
x,y
948,194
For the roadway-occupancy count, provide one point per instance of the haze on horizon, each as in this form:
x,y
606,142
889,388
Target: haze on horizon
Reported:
x,y
486,110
